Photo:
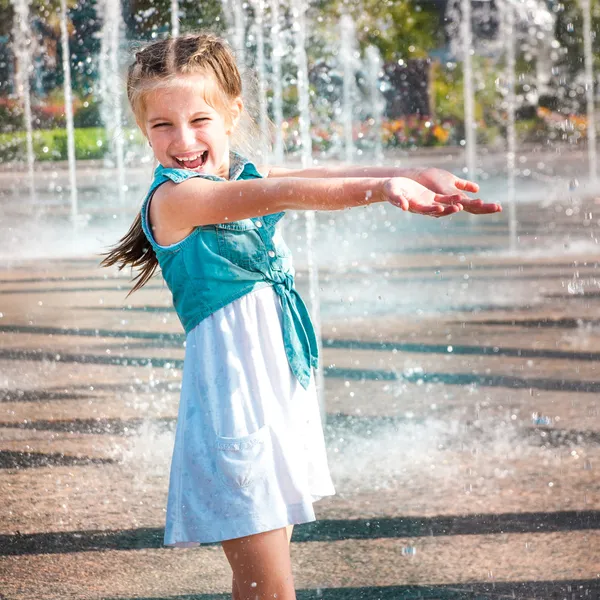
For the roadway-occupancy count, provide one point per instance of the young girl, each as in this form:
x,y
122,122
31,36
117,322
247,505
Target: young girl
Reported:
x,y
249,457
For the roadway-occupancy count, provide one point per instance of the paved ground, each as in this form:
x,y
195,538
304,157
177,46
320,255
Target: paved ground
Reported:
x,y
463,422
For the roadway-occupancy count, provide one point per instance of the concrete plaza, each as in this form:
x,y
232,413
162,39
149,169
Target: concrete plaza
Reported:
x,y
463,426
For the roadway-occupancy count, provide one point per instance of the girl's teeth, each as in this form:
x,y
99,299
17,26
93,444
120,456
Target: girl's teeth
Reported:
x,y
194,162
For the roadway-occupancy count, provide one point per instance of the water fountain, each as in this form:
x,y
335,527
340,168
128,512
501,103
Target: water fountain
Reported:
x,y
511,136
22,42
277,52
347,55
376,100
68,109
589,91
262,79
469,93
235,16
531,15
111,87
174,18
299,31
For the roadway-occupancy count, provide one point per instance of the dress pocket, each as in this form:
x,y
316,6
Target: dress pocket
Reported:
x,y
242,461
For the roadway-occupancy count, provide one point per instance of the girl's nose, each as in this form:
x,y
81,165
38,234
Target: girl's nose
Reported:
x,y
185,136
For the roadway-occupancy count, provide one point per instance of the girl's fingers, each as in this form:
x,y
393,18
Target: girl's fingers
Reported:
x,y
436,210
484,209
473,202
401,203
466,185
450,198
478,207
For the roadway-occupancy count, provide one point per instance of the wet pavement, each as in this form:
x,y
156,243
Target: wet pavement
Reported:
x,y
463,426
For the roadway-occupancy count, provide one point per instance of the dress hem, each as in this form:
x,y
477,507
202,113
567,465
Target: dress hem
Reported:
x,y
297,514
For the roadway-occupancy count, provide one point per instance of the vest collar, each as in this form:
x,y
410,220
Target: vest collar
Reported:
x,y
237,164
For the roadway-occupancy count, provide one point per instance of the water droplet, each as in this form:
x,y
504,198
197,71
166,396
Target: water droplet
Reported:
x,y
253,584
540,420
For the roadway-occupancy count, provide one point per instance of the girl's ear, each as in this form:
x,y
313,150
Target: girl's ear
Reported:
x,y
236,108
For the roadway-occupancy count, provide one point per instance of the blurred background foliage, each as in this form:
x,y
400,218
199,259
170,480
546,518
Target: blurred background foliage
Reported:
x,y
402,30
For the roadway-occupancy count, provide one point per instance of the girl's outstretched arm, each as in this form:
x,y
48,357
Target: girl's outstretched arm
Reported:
x,y
198,201
437,180
341,171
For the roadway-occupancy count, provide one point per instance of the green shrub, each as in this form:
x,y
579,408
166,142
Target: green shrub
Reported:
x,y
51,144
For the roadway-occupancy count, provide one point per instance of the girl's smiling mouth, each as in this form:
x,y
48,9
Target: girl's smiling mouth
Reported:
x,y
193,161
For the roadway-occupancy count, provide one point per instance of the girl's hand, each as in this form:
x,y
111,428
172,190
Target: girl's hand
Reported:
x,y
410,195
444,182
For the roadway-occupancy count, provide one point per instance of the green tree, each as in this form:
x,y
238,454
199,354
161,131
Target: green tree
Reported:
x,y
398,28
570,63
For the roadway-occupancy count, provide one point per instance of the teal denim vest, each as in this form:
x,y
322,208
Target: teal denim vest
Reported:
x,y
217,264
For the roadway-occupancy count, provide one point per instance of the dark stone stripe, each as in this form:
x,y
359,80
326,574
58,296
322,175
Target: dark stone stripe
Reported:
x,y
90,359
507,381
332,372
38,395
468,308
444,277
571,265
148,309
546,590
81,392
449,249
12,459
123,427
177,340
588,295
480,524
54,290
539,323
548,436
110,333
576,589
326,530
61,279
346,275
460,350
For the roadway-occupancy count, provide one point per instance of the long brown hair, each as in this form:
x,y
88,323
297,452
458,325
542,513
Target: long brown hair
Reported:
x,y
155,65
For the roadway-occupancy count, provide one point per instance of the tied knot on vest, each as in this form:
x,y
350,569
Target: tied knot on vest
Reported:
x,y
285,280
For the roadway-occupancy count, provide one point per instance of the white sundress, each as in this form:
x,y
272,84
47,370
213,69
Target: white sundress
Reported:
x,y
249,453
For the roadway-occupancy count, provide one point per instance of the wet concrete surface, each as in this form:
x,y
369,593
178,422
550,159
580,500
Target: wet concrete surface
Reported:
x,y
463,426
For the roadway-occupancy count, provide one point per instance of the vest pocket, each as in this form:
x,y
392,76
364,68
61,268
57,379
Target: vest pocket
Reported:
x,y
244,460
241,245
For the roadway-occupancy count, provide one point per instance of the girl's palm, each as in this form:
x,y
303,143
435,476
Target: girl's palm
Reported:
x,y
445,183
416,198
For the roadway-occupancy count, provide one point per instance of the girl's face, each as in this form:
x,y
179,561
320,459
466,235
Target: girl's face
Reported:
x,y
184,131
